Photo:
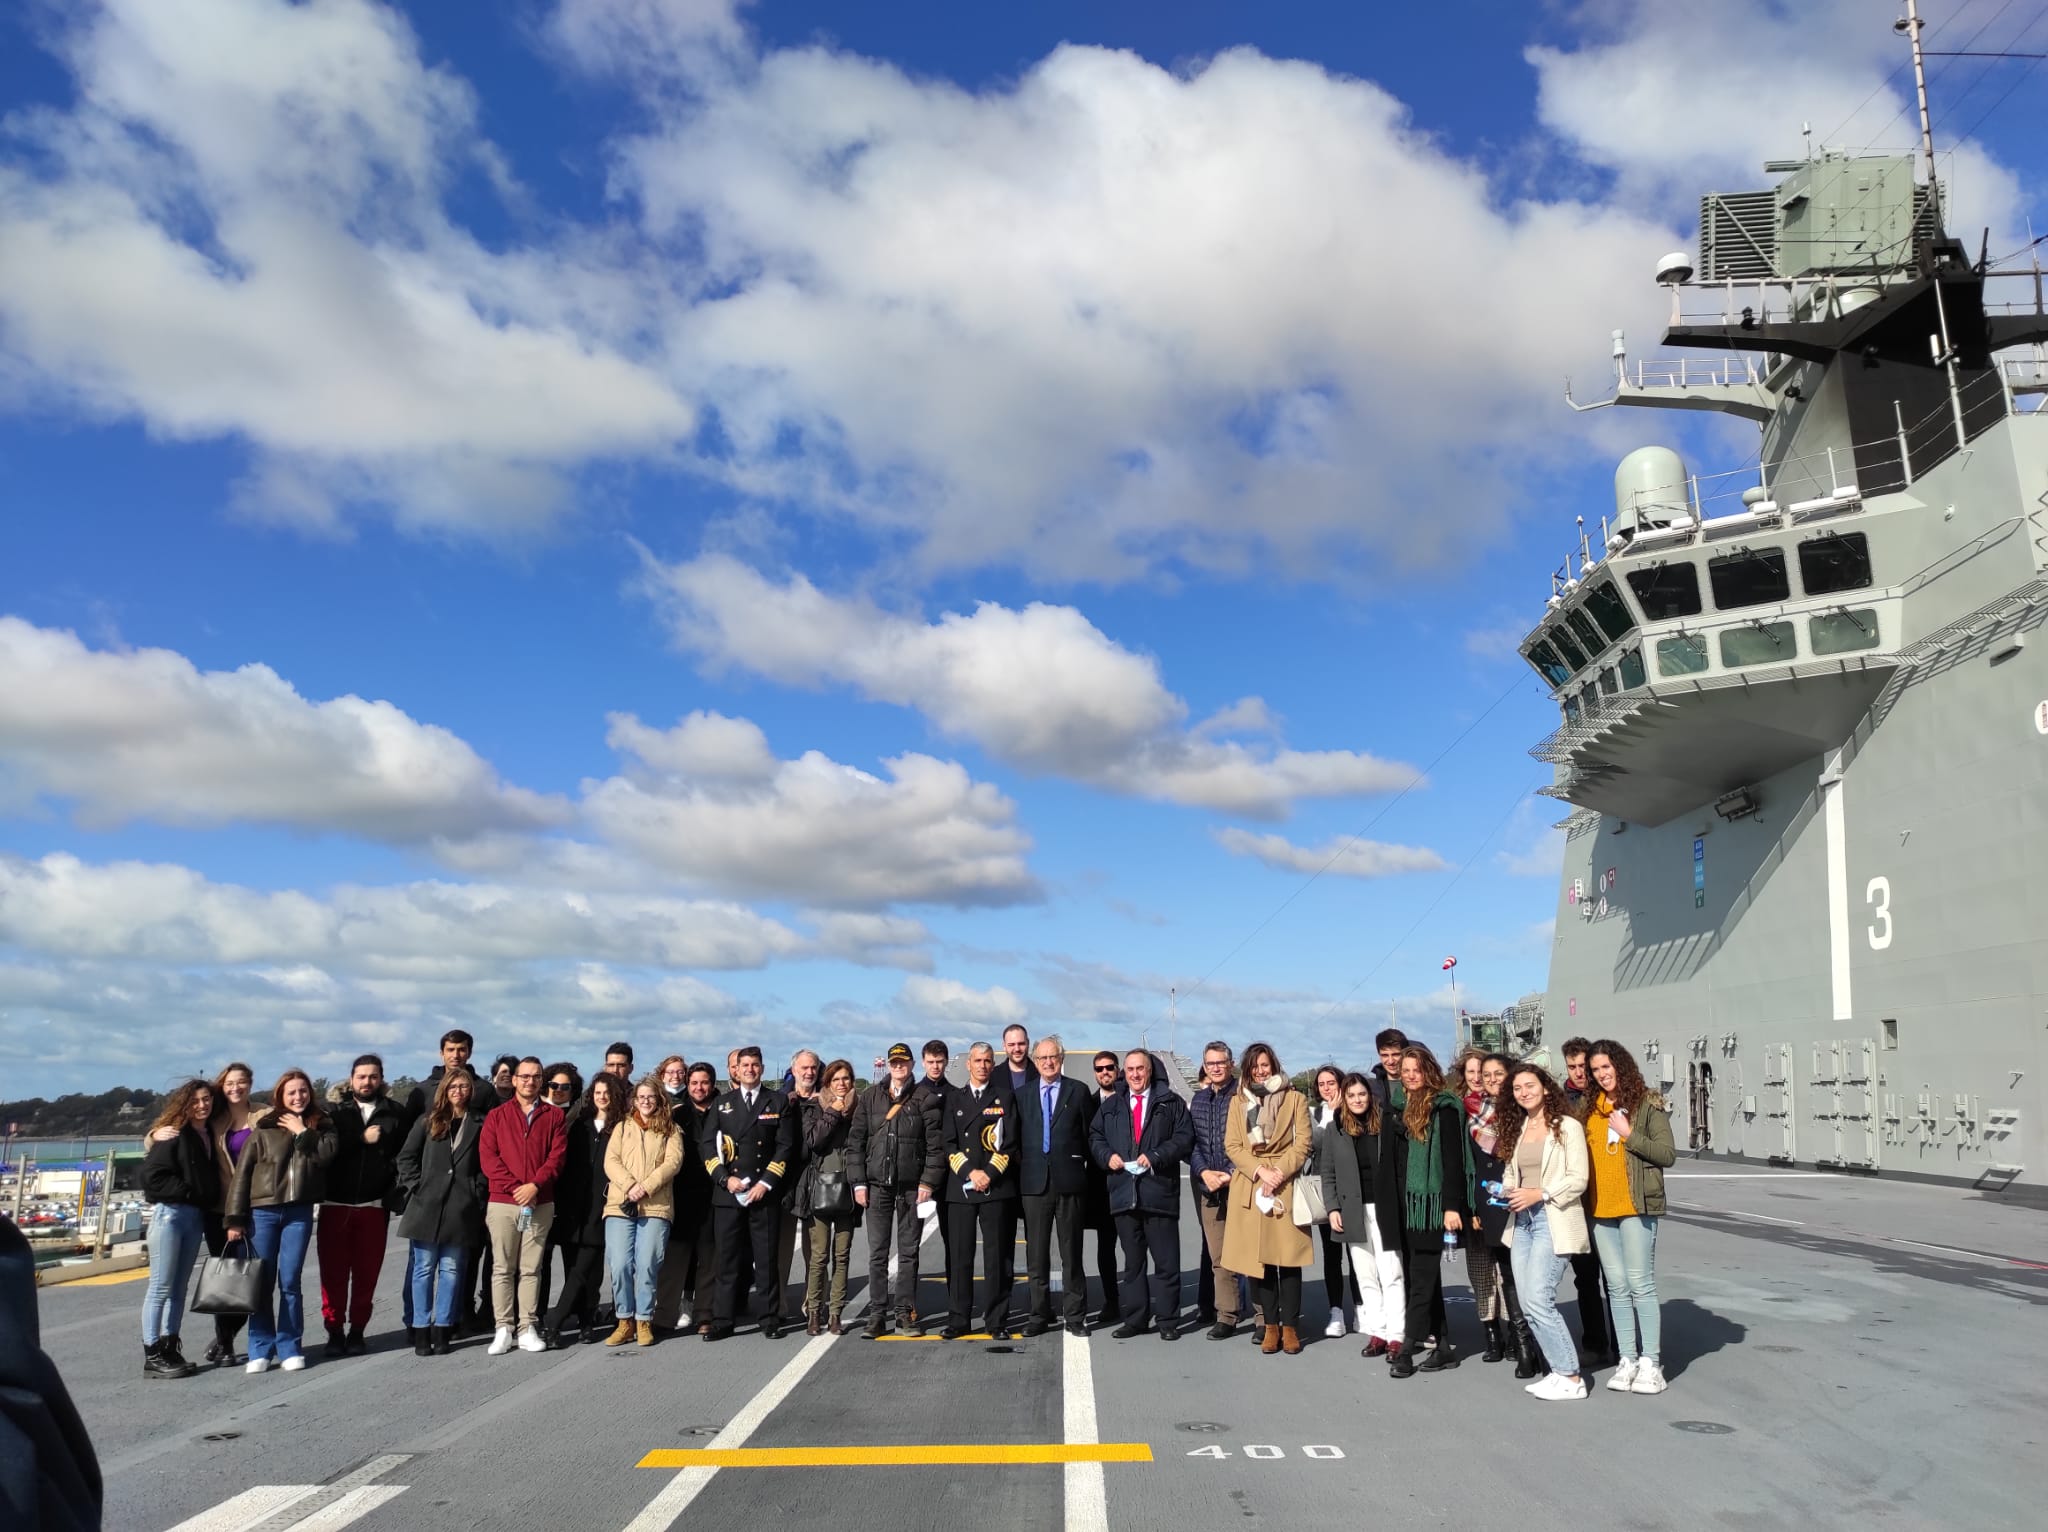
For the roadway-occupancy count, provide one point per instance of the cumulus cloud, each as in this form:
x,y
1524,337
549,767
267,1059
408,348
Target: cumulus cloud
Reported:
x,y
949,1002
240,230
1534,849
145,734
1041,688
1346,857
708,802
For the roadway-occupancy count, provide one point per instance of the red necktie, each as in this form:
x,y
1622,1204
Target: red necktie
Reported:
x,y
1137,1120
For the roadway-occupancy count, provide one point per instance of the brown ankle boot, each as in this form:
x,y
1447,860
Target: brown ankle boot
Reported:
x,y
621,1335
1290,1342
812,1326
644,1332
1271,1342
835,1327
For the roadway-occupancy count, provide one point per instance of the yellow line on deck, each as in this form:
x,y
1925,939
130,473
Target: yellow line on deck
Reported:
x,y
971,1454
140,1274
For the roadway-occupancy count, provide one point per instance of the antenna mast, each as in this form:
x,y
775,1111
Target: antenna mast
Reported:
x,y
1912,27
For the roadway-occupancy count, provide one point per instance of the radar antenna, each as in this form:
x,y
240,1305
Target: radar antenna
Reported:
x,y
1912,26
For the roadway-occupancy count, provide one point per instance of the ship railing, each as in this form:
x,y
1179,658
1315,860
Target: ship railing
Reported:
x,y
1797,300
1731,369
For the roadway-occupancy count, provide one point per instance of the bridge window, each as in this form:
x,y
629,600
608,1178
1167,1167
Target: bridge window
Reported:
x,y
1835,561
1632,669
1758,643
1568,649
1666,591
1587,633
1749,577
1609,610
1607,681
1571,710
1548,665
1839,632
1684,655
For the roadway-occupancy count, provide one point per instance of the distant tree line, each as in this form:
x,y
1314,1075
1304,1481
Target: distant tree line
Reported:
x,y
125,1111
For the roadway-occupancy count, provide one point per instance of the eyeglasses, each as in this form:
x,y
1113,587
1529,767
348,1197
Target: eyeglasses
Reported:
x,y
555,1085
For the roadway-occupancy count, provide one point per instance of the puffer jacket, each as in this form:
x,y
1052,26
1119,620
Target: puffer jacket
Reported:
x,y
181,1169
634,1153
896,1143
278,1168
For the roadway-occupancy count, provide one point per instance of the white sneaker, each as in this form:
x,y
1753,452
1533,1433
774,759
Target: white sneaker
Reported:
x,y
1558,1386
1649,1378
257,1364
1624,1377
501,1342
1334,1330
293,1364
529,1340
684,1321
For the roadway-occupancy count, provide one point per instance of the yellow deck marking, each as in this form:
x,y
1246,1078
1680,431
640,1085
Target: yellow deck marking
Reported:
x,y
139,1274
971,1454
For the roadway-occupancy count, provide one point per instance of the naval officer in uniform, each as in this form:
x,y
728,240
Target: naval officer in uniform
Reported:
x,y
748,1144
980,1135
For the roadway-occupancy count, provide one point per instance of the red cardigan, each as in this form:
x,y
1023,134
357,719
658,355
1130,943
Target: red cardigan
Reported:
x,y
514,1151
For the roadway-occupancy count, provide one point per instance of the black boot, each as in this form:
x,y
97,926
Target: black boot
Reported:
x,y
440,1338
1528,1361
1400,1361
158,1362
423,1341
337,1343
1496,1341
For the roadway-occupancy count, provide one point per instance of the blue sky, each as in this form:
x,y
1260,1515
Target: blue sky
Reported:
x,y
827,524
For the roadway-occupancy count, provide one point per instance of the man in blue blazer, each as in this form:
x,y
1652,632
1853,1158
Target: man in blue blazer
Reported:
x,y
1142,1137
1053,1118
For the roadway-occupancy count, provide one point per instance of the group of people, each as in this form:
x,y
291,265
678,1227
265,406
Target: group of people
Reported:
x,y
690,1191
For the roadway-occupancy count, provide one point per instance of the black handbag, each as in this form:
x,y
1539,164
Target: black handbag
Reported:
x,y
827,1192
230,1284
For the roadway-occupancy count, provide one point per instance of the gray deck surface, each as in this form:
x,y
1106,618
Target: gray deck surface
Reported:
x,y
1830,1365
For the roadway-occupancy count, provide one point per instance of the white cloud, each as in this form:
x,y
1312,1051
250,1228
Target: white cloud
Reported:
x,y
1346,857
1533,848
706,802
133,734
951,1003
1678,108
1041,688
239,231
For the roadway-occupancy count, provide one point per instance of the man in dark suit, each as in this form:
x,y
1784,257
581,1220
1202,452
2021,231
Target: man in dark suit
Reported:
x,y
981,1192
1053,1118
748,1144
1098,1218
1141,1138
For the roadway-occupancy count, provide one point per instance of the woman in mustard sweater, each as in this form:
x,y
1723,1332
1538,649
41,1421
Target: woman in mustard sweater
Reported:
x,y
1628,1139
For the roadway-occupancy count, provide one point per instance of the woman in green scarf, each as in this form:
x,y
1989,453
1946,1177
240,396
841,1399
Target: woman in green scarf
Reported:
x,y
1426,1133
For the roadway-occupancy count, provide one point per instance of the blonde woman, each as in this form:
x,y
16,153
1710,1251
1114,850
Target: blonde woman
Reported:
x,y
1267,1140
641,1161
230,1127
828,1118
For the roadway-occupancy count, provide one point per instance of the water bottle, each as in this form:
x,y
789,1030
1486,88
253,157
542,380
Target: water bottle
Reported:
x,y
1450,1248
1496,1193
526,1220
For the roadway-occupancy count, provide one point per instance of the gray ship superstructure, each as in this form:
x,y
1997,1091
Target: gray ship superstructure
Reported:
x,y
1805,703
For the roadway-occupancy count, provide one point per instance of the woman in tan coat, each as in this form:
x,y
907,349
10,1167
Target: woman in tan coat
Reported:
x,y
640,1165
1267,1138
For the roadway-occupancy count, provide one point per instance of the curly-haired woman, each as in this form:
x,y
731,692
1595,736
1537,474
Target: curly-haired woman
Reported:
x,y
1628,1138
179,1177
1544,1174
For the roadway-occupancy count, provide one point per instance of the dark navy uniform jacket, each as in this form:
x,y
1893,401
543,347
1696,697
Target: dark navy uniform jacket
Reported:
x,y
761,1144
981,1135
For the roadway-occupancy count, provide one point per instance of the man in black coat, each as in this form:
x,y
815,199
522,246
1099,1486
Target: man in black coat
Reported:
x,y
981,1192
1141,1138
749,1145
1053,1118
355,1215
1098,1218
899,1164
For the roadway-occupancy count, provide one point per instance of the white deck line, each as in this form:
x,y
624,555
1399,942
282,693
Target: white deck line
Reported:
x,y
1701,1207
675,1496
1087,1497
257,1503
352,1507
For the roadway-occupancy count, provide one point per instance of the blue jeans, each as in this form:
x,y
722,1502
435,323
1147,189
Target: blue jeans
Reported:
x,y
633,1248
432,1281
177,1233
1537,1268
1628,1258
280,1235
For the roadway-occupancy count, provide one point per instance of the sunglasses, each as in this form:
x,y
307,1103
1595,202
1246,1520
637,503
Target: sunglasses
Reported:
x,y
1105,1069
555,1085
